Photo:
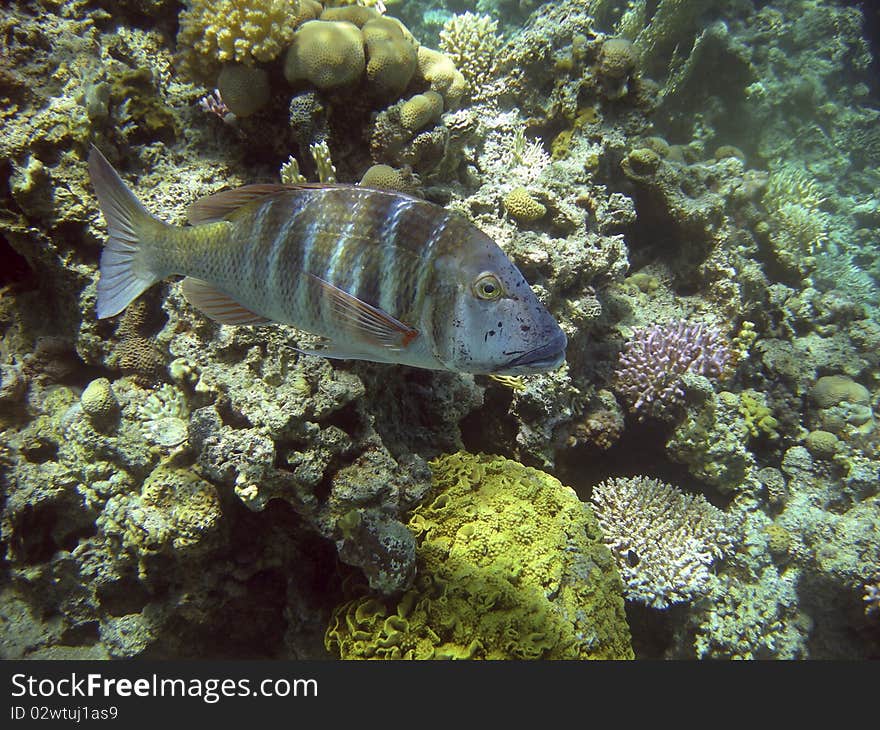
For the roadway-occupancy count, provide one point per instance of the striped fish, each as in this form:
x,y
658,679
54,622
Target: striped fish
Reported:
x,y
380,275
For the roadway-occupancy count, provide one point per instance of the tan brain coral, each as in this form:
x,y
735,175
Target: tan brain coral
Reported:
x,y
385,177
439,70
421,110
326,53
522,206
391,54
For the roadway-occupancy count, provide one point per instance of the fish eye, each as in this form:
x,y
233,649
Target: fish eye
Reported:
x,y
487,286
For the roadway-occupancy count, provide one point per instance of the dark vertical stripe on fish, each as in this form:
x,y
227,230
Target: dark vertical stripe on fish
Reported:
x,y
282,262
339,263
251,252
315,226
390,258
256,272
427,255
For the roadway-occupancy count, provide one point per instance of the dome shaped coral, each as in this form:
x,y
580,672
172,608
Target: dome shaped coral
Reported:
x,y
326,53
421,110
391,54
439,70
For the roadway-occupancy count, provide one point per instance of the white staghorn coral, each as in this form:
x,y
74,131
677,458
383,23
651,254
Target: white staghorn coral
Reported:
x,y
664,541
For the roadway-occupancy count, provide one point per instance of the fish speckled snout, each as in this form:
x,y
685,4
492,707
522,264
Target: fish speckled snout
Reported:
x,y
548,356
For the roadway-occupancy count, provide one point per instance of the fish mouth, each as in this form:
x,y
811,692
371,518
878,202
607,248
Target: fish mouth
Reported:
x,y
548,356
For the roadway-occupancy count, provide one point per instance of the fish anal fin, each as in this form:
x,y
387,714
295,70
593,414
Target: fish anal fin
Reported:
x,y
218,305
367,323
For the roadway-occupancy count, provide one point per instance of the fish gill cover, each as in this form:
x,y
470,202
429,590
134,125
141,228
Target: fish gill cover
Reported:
x,y
706,172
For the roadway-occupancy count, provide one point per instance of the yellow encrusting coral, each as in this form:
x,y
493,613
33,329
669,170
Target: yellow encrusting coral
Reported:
x,y
757,416
522,207
511,565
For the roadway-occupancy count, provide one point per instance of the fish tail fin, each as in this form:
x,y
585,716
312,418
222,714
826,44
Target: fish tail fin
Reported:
x,y
125,268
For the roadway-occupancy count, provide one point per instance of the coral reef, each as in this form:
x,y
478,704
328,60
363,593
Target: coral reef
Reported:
x,y
177,488
325,53
472,42
239,31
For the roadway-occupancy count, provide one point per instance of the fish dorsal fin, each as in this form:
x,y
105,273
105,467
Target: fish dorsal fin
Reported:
x,y
218,206
217,305
368,323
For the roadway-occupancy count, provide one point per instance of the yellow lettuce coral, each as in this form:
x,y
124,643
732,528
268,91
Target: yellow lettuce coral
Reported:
x,y
511,565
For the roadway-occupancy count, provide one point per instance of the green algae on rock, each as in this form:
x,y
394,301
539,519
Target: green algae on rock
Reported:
x,y
511,565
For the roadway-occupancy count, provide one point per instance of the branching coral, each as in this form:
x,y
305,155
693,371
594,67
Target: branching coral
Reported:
x,y
664,541
651,366
758,619
472,42
872,595
507,147
213,31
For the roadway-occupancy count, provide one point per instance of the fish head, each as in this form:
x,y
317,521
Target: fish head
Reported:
x,y
496,324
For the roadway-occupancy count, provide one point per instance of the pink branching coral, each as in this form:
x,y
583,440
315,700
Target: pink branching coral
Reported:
x,y
872,596
651,366
213,104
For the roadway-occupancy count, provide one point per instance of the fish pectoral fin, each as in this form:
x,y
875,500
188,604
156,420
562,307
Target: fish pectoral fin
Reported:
x,y
218,206
367,323
218,305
